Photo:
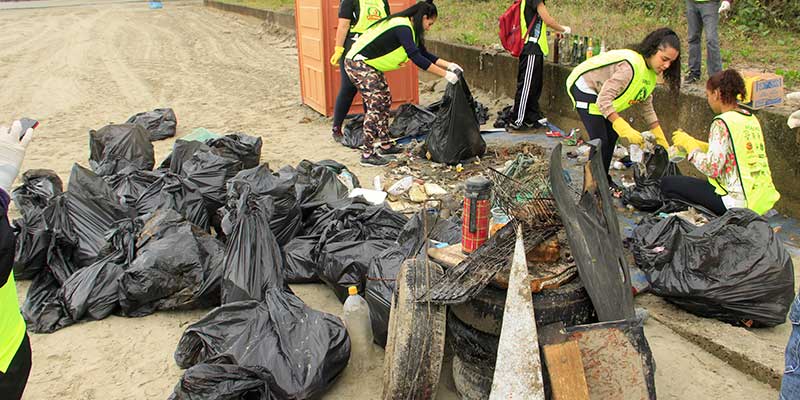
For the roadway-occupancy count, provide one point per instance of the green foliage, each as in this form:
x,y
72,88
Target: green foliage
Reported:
x,y
468,38
790,77
758,16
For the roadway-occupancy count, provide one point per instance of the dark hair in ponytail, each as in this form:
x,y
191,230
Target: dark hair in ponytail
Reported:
x,y
729,83
416,12
657,40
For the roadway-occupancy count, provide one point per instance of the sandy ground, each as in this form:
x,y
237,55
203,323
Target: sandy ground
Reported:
x,y
79,67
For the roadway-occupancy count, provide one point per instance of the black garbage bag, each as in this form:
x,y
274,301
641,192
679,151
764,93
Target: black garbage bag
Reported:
x,y
130,183
504,117
646,194
339,169
92,292
178,193
383,269
287,219
253,260
345,264
115,147
353,133
238,146
733,268
182,151
159,123
210,172
411,120
481,111
456,134
93,208
63,247
42,309
302,350
30,252
38,187
221,378
354,219
300,265
161,278
316,185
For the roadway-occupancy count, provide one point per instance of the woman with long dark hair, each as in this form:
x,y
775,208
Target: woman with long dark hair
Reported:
x,y
734,158
387,45
609,83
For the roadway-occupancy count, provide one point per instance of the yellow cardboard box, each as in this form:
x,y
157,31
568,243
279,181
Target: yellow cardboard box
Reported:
x,y
763,89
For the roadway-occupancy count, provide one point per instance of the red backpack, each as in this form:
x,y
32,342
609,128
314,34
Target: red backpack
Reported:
x,y
510,35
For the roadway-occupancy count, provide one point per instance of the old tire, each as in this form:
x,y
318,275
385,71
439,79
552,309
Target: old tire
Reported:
x,y
569,303
473,382
416,337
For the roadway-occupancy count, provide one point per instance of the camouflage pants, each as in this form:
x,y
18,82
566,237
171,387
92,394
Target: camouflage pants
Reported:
x,y
377,99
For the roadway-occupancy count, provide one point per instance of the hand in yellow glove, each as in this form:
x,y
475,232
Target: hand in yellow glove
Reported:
x,y
661,140
624,130
688,143
337,54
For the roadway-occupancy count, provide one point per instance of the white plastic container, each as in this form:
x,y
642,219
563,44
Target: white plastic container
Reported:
x,y
356,319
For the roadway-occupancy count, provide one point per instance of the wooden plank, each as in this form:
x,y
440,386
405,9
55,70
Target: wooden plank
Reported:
x,y
565,367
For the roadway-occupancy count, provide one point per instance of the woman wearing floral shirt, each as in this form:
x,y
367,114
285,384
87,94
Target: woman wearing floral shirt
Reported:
x,y
734,159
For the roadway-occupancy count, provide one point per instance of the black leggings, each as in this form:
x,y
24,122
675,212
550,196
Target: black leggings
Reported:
x,y
12,383
597,127
692,191
347,91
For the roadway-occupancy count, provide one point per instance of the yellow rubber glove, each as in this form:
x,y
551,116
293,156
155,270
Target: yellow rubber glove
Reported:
x,y
687,142
661,140
624,130
337,54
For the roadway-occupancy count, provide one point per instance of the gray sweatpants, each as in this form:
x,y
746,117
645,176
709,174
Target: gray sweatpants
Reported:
x,y
702,16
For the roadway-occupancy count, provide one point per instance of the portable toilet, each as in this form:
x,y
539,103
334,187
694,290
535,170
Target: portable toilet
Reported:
x,y
315,24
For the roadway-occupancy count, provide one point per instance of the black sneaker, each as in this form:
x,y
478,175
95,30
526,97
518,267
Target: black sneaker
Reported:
x,y
336,134
374,160
690,79
525,126
391,150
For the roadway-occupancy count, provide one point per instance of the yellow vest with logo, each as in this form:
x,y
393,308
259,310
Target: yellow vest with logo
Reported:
x,y
387,62
12,325
369,12
751,161
638,90
542,39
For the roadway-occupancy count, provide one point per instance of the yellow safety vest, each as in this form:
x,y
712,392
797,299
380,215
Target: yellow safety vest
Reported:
x,y
12,325
640,88
387,62
369,12
751,161
541,40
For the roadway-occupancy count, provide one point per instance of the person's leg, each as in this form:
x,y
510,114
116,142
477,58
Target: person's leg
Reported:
x,y
710,15
790,384
695,22
12,383
597,127
693,191
344,99
522,97
533,113
361,75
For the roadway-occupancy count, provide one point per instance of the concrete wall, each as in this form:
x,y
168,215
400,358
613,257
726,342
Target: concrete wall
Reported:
x,y
496,73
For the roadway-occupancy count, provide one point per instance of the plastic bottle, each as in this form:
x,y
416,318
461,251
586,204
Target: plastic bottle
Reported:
x,y
603,46
356,319
556,47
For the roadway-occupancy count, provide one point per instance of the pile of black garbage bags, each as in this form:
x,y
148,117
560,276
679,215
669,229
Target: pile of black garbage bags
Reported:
x,y
211,227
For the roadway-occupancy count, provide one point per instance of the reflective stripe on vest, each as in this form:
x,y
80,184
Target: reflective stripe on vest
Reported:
x,y
390,61
639,89
539,34
751,161
12,325
369,12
